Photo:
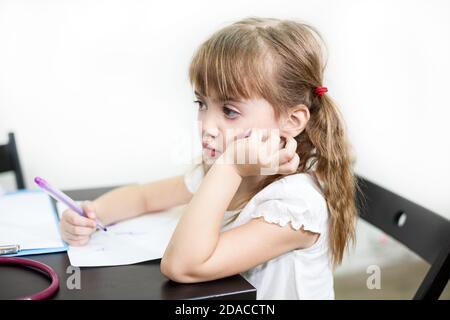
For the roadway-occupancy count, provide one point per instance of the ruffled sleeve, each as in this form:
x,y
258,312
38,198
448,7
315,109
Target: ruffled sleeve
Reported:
x,y
292,200
193,178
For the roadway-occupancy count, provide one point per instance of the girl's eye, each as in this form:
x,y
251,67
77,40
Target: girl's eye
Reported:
x,y
201,105
230,113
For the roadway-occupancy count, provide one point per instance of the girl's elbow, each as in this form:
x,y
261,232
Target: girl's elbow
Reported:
x,y
177,273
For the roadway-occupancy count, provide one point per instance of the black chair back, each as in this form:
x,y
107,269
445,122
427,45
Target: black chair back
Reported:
x,y
9,160
424,232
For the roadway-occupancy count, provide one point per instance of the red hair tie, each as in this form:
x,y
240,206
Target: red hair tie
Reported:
x,y
320,91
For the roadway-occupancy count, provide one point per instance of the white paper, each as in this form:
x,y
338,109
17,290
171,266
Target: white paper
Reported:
x,y
28,218
131,241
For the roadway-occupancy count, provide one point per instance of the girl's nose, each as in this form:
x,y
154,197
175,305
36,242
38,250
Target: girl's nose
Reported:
x,y
209,127
211,133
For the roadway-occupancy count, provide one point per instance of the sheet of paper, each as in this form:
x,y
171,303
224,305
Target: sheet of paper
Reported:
x,y
131,241
28,218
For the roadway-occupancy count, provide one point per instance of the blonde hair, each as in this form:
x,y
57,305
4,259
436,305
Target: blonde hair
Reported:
x,y
282,61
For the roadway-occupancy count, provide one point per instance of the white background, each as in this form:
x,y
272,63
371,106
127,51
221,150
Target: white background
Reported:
x,y
97,91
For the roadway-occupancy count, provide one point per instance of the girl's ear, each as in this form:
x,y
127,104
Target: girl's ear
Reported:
x,y
294,121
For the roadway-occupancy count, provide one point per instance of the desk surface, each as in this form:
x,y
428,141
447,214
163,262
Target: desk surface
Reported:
x,y
137,281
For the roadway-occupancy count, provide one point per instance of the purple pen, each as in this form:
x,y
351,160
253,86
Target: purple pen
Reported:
x,y
62,197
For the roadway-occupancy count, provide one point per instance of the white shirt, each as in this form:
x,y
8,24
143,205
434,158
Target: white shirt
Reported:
x,y
297,274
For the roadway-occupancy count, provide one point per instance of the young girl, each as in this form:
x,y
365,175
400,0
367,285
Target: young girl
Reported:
x,y
283,216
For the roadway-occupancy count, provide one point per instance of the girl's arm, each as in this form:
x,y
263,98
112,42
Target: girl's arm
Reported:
x,y
130,201
199,252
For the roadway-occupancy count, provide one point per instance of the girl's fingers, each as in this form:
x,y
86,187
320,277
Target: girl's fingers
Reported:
x,y
268,145
291,145
255,137
70,237
75,219
79,243
244,134
71,232
288,152
89,209
77,230
90,214
291,166
264,148
274,139
253,145
284,155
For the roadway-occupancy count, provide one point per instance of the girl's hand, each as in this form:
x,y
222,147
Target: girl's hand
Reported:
x,y
75,229
262,154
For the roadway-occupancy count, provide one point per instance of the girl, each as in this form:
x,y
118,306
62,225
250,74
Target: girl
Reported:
x,y
283,216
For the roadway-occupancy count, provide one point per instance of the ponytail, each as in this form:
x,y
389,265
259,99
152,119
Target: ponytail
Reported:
x,y
325,149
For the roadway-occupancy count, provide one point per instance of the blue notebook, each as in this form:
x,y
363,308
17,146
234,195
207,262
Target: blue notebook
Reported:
x,y
28,218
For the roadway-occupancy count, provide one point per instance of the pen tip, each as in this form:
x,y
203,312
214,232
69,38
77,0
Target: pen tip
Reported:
x,y
39,181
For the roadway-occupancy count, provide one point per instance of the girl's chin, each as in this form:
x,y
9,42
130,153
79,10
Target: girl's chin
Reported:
x,y
211,154
208,159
